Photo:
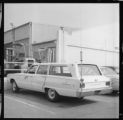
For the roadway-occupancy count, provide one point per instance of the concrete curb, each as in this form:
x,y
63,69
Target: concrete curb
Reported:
x,y
7,85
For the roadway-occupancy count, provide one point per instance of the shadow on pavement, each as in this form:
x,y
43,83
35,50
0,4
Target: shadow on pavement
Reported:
x,y
111,95
40,98
72,102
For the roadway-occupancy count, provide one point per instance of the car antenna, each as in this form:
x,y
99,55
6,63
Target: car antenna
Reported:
x,y
81,47
81,64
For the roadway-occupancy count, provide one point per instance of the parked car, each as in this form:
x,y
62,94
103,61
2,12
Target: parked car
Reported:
x,y
56,79
116,69
114,77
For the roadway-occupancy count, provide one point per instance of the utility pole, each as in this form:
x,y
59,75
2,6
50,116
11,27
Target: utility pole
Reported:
x,y
63,44
13,42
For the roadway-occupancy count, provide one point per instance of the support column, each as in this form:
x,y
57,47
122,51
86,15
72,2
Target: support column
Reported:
x,y
60,46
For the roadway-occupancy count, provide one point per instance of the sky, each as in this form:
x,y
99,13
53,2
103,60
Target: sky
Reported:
x,y
82,15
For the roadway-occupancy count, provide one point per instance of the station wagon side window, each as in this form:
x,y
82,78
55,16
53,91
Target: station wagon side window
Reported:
x,y
55,70
60,71
42,69
32,69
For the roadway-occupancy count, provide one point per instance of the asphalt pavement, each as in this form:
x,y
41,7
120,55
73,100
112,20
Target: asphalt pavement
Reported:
x,y
29,104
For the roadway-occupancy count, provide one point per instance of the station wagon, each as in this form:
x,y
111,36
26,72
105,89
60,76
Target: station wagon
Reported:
x,y
58,79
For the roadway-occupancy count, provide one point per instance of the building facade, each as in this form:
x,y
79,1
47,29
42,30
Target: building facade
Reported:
x,y
48,43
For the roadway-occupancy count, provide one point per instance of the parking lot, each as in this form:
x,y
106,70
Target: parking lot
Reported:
x,y
30,104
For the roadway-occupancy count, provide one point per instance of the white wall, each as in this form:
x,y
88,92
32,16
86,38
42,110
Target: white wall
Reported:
x,y
98,45
89,56
104,37
101,37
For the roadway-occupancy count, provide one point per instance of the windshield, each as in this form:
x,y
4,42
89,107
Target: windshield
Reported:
x,y
88,70
117,70
32,69
108,71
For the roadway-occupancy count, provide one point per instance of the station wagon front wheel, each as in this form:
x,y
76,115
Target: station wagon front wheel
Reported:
x,y
52,95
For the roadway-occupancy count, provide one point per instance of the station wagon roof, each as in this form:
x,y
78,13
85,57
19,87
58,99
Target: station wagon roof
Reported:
x,y
61,64
53,63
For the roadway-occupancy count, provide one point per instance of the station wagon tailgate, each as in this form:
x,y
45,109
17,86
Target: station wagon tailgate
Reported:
x,y
96,82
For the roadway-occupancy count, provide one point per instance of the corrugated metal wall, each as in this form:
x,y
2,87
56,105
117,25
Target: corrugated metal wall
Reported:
x,y
43,33
22,36
21,32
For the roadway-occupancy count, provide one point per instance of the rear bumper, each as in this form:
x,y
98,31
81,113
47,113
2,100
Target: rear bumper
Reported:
x,y
93,92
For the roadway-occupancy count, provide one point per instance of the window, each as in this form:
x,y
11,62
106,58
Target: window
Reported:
x,y
30,62
88,70
42,69
32,69
108,71
55,70
117,70
9,54
65,70
60,71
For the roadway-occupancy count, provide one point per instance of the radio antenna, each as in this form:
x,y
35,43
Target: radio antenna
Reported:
x,y
81,57
81,62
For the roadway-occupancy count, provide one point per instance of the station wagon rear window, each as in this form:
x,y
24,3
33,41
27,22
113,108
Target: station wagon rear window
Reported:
x,y
88,70
60,71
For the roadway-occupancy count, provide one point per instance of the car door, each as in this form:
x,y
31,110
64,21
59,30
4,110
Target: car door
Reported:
x,y
20,79
62,81
70,84
29,76
38,80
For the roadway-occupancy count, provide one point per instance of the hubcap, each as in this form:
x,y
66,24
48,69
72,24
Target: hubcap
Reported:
x,y
51,94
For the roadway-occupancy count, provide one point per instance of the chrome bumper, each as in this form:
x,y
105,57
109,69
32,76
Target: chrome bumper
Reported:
x,y
93,92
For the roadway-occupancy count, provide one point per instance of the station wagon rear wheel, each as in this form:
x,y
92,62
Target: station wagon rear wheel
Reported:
x,y
14,87
52,95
